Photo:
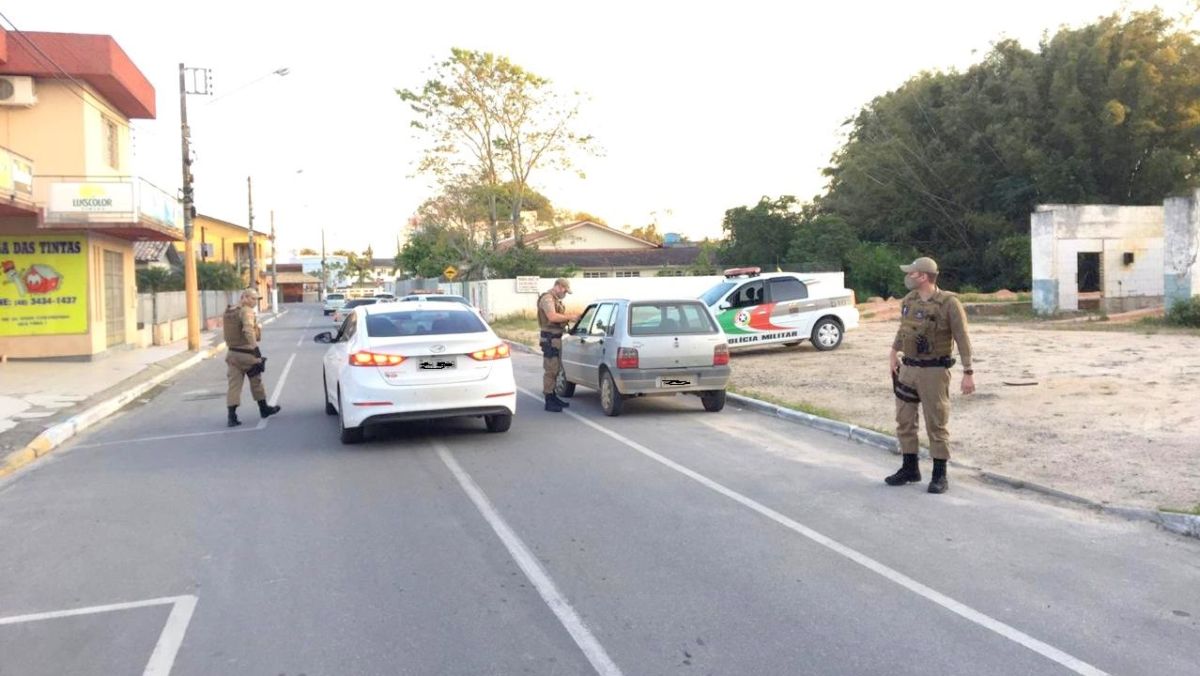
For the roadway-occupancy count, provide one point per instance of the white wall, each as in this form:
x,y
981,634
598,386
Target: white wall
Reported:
x,y
1181,271
499,297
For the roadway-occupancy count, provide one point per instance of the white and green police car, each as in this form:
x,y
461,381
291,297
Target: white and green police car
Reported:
x,y
756,308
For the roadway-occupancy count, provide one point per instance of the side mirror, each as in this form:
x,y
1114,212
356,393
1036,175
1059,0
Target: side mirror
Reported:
x,y
323,337
723,306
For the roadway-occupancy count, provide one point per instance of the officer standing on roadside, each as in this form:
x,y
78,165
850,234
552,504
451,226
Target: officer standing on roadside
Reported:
x,y
552,322
930,319
245,360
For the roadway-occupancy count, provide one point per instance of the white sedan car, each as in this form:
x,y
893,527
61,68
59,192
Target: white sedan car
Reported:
x,y
391,362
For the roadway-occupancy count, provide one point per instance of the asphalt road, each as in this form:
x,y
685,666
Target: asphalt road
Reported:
x,y
668,540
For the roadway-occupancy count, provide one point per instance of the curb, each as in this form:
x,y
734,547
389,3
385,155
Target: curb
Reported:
x,y
1182,524
55,435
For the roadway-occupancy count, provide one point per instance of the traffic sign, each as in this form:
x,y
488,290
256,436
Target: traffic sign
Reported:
x,y
450,273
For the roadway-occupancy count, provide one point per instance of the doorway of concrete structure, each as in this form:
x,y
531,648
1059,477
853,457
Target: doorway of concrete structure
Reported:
x,y
114,297
1089,273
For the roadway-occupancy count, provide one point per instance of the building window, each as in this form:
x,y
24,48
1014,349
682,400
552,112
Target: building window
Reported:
x,y
112,144
594,275
629,273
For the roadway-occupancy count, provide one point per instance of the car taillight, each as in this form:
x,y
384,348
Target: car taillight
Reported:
x,y
492,353
721,355
627,358
365,358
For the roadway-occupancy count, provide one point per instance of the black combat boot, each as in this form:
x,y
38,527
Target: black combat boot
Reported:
x,y
909,472
938,483
233,421
558,400
552,404
267,411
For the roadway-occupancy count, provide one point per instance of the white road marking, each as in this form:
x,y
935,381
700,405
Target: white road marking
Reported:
x,y
592,650
1007,631
306,325
262,424
169,640
166,437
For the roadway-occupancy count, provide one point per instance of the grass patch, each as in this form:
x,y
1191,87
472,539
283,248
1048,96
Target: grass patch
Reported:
x,y
520,321
1193,511
1023,297
795,405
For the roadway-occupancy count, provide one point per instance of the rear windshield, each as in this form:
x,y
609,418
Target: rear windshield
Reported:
x,y
334,296
422,323
360,301
676,318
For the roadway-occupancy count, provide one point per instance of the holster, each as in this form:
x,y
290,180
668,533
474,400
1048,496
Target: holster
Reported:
x,y
257,369
546,342
904,392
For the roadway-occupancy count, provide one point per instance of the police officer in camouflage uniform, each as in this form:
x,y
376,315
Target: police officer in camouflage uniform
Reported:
x,y
920,361
552,322
244,358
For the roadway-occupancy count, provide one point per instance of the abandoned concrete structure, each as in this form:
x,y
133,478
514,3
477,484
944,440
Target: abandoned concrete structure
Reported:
x,y
1114,258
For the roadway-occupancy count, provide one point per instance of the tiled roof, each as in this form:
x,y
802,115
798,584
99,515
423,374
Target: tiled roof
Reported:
x,y
622,258
150,252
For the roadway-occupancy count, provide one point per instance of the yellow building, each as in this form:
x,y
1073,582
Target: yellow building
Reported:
x,y
70,210
219,241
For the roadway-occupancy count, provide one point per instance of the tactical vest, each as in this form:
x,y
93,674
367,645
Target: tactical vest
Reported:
x,y
925,326
544,322
233,327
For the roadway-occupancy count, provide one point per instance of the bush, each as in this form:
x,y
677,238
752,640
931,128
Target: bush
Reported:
x,y
1185,313
874,270
154,280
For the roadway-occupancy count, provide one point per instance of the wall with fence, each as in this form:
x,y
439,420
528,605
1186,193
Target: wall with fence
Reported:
x,y
164,314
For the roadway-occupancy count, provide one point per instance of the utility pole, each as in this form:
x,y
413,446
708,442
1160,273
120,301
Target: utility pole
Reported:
x,y
274,270
250,206
190,285
324,279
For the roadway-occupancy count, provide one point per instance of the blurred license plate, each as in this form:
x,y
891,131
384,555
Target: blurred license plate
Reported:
x,y
667,382
436,364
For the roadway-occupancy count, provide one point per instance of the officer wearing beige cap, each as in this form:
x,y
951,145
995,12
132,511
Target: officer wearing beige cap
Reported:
x,y
552,322
244,358
932,321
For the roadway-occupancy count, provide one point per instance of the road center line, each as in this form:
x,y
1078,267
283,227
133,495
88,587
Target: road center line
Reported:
x,y
956,607
592,650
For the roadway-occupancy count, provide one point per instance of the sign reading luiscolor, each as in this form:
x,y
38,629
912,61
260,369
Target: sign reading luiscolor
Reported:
x,y
91,202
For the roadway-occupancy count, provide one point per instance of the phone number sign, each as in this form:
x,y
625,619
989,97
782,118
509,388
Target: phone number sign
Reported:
x,y
43,286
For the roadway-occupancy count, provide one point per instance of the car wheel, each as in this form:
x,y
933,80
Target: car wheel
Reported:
x,y
713,400
329,409
498,423
827,334
610,397
562,386
350,435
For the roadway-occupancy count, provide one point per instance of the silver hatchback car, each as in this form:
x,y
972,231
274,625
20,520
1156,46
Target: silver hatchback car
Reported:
x,y
627,348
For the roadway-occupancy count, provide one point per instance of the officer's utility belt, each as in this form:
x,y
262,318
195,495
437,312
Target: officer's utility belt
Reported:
x,y
547,344
245,350
943,362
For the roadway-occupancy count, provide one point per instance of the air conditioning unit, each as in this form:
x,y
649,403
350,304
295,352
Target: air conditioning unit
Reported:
x,y
17,90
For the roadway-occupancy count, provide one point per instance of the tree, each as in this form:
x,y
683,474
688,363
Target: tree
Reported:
x,y
760,235
648,232
577,216
154,280
308,252
952,164
822,240
218,277
486,117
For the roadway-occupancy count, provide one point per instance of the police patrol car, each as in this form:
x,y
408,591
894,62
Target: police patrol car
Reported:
x,y
782,307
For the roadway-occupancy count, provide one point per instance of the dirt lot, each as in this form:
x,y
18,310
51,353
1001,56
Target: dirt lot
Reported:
x,y
1110,416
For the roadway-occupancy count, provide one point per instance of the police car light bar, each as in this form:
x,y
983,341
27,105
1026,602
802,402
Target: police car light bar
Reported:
x,y
740,272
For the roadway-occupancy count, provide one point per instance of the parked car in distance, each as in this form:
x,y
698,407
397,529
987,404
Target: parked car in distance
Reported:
x,y
756,308
627,348
392,362
341,313
334,301
384,297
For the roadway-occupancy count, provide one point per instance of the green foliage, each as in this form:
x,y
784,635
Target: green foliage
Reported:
x,y
649,233
705,263
872,269
218,277
823,239
427,253
154,280
952,163
762,234
1185,313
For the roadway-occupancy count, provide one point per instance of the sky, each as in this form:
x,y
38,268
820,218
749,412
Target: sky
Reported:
x,y
697,108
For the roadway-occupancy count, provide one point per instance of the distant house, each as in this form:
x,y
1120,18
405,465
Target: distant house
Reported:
x,y
294,283
600,251
151,254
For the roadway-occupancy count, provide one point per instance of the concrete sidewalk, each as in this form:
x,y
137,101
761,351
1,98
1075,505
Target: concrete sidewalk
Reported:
x,y
43,403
